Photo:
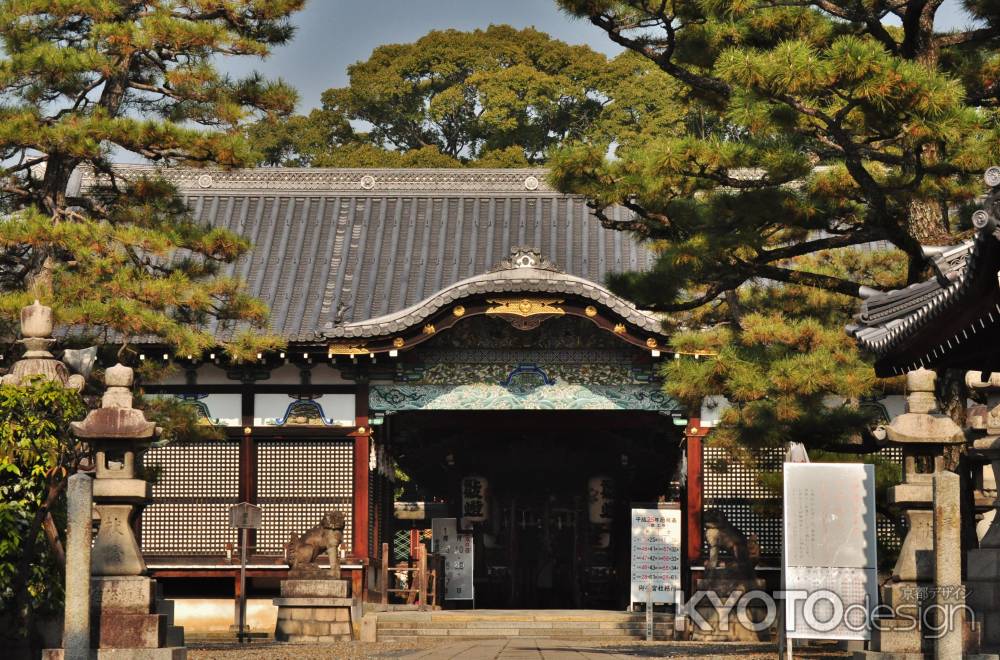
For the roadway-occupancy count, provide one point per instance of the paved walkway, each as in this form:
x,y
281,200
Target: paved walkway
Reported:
x,y
552,649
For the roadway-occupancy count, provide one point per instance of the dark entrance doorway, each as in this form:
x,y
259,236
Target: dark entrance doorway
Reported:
x,y
552,530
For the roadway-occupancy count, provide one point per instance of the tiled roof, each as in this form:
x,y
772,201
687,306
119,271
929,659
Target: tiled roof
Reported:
x,y
889,323
334,247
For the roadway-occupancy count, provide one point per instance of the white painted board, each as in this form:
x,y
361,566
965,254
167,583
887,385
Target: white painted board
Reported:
x,y
457,551
656,554
829,548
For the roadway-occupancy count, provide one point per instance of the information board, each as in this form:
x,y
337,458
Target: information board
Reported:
x,y
829,549
457,551
656,553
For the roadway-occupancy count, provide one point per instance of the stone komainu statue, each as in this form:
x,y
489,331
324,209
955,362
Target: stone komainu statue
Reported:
x,y
326,537
722,535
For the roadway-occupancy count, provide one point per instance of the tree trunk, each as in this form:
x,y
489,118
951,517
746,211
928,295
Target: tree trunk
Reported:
x,y
27,643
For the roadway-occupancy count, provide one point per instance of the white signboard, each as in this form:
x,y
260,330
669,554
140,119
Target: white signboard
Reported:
x,y
456,549
656,554
829,549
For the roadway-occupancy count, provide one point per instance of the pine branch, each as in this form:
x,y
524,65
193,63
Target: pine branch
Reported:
x,y
663,57
815,280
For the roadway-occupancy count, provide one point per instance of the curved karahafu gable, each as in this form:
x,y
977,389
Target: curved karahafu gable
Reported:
x,y
950,321
524,290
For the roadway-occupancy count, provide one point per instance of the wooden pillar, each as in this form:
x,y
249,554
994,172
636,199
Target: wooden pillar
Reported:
x,y
362,447
414,541
695,434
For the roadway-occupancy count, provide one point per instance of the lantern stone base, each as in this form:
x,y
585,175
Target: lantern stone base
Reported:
x,y
311,611
128,620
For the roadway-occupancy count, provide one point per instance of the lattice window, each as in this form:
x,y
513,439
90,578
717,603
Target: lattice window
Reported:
x,y
297,482
401,545
197,483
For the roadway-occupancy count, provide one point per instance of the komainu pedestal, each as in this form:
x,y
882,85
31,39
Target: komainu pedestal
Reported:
x,y
313,611
314,604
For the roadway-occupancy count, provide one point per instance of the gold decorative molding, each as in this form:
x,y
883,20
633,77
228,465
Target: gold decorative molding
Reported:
x,y
346,349
524,307
398,342
458,310
651,343
619,329
590,311
429,329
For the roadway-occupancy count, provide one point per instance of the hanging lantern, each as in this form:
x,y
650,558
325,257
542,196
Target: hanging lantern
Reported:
x,y
601,497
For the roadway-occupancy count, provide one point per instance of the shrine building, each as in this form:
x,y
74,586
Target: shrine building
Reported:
x,y
451,351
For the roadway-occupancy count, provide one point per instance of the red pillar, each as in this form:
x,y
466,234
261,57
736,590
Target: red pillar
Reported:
x,y
362,447
694,433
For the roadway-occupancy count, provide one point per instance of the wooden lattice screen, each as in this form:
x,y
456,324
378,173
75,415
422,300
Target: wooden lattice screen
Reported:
x,y
196,485
297,482
732,487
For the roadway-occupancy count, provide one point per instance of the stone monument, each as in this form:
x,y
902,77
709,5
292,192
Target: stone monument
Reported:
x,y
127,617
922,433
314,605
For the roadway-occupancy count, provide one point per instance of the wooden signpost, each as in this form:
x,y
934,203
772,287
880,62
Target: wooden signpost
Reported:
x,y
244,516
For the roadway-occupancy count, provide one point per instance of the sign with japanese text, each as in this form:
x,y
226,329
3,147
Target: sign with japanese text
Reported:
x,y
829,549
245,516
457,551
656,553
475,507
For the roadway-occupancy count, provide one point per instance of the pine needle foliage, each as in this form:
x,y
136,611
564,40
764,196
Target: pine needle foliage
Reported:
x,y
85,81
839,137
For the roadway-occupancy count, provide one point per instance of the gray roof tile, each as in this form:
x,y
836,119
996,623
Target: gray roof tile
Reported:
x,y
332,247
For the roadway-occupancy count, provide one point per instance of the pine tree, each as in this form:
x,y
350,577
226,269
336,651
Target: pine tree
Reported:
x,y
85,81
828,130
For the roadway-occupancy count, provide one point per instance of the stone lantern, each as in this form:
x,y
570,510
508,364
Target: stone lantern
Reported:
x,y
128,618
922,432
984,562
118,434
37,361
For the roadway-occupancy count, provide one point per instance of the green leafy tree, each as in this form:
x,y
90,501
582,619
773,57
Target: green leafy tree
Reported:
x,y
37,455
824,129
82,81
496,97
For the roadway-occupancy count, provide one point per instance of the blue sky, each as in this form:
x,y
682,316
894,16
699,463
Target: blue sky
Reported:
x,y
333,34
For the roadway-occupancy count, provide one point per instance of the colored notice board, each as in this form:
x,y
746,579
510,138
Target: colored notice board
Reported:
x,y
656,553
829,549
457,551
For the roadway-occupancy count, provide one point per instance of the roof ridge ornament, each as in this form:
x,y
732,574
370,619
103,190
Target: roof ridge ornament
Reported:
x,y
525,257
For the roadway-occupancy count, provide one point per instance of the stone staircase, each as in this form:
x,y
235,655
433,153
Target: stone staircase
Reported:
x,y
502,624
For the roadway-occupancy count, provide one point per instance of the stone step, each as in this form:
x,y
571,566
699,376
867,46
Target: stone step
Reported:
x,y
458,618
499,633
493,624
547,625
